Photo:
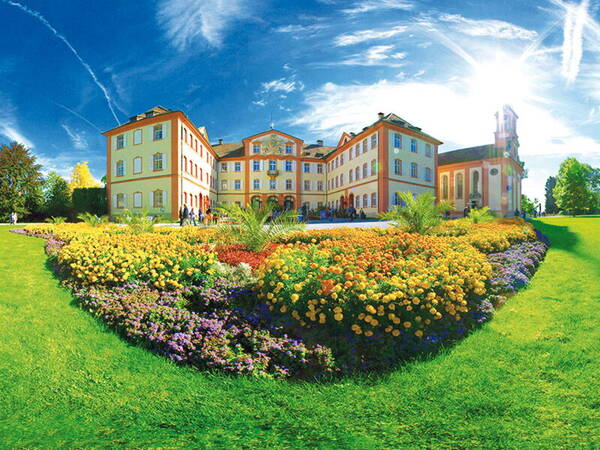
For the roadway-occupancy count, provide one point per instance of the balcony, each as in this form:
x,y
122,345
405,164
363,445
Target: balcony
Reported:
x,y
272,172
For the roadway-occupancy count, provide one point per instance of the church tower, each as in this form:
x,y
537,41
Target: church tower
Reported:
x,y
506,138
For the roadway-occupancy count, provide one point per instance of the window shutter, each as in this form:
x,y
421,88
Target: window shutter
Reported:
x,y
151,164
164,194
125,140
115,169
164,161
124,168
114,200
114,142
150,199
151,132
165,128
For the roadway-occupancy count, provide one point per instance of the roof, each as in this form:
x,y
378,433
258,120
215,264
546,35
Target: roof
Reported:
x,y
229,149
468,154
316,150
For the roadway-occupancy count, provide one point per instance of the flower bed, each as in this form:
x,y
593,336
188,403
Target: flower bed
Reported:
x,y
317,302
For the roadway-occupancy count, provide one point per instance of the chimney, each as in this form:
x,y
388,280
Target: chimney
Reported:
x,y
220,141
320,142
380,115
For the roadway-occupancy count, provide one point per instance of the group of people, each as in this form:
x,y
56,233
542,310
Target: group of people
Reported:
x,y
350,213
189,216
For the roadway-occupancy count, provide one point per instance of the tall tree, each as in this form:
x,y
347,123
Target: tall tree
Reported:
x,y
550,205
531,207
57,200
573,191
81,177
20,180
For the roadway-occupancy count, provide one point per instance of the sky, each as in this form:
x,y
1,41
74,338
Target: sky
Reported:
x,y
70,69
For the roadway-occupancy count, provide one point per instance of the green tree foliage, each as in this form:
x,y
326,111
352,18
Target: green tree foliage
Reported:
x,y
419,214
550,205
251,225
92,200
92,220
530,206
478,215
57,200
20,180
573,191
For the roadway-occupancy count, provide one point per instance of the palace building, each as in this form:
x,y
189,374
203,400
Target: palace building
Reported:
x,y
160,161
487,175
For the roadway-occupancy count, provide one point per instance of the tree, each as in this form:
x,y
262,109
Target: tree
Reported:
x,y
550,206
81,177
573,191
531,207
419,214
57,201
20,180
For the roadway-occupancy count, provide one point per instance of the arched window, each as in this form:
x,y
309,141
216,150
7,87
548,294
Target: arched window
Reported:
x,y
120,168
459,186
365,171
357,173
157,199
373,165
157,161
475,182
398,167
445,187
365,200
137,164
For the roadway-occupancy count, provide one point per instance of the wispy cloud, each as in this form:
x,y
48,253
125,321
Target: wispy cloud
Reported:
x,y
301,29
188,21
575,19
85,65
378,55
77,138
492,28
8,123
368,35
378,5
282,85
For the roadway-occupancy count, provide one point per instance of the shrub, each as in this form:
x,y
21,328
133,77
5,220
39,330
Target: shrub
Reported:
x,y
56,220
419,214
91,219
478,215
137,222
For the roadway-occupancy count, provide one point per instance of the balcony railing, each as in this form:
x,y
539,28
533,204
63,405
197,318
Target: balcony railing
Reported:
x,y
272,172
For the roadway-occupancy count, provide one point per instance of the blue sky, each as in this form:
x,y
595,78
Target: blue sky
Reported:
x,y
71,69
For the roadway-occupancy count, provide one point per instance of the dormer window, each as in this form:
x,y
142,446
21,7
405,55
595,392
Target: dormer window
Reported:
x,y
256,149
150,114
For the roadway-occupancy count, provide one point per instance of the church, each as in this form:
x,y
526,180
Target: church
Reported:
x,y
486,175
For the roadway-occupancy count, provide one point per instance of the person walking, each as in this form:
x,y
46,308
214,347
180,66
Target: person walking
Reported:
x,y
13,217
209,216
193,217
200,217
466,211
185,216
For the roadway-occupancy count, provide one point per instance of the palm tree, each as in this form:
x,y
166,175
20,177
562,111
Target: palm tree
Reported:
x,y
92,219
480,215
419,214
251,225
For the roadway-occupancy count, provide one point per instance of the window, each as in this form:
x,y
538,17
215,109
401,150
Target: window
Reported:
x,y
350,153
224,167
272,164
307,185
157,132
445,187
137,137
459,186
237,185
120,141
120,168
365,201
397,140
288,185
157,161
137,164
337,181
319,185
319,168
256,184
255,166
364,146
357,173
224,185
157,199
196,170
413,145
358,201
256,149
342,159
185,165
373,166
289,149
288,166
428,176
365,171
350,176
428,150
137,199
374,141
357,150
374,199
237,167
397,167
272,184
306,168
341,179
121,201
414,170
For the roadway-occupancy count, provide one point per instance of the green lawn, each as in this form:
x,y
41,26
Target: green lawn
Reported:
x,y
529,378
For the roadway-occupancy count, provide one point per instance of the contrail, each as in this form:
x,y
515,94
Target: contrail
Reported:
x,y
75,113
575,19
85,65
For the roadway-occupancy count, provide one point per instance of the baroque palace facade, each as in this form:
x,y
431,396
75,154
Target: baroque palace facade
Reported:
x,y
160,161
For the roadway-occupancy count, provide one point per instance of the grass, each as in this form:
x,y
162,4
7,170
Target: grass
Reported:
x,y
530,378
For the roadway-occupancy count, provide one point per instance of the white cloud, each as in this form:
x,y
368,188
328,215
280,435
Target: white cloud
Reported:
x,y
187,21
297,29
378,5
282,85
377,55
493,28
447,112
572,50
261,102
13,134
8,123
77,139
367,35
